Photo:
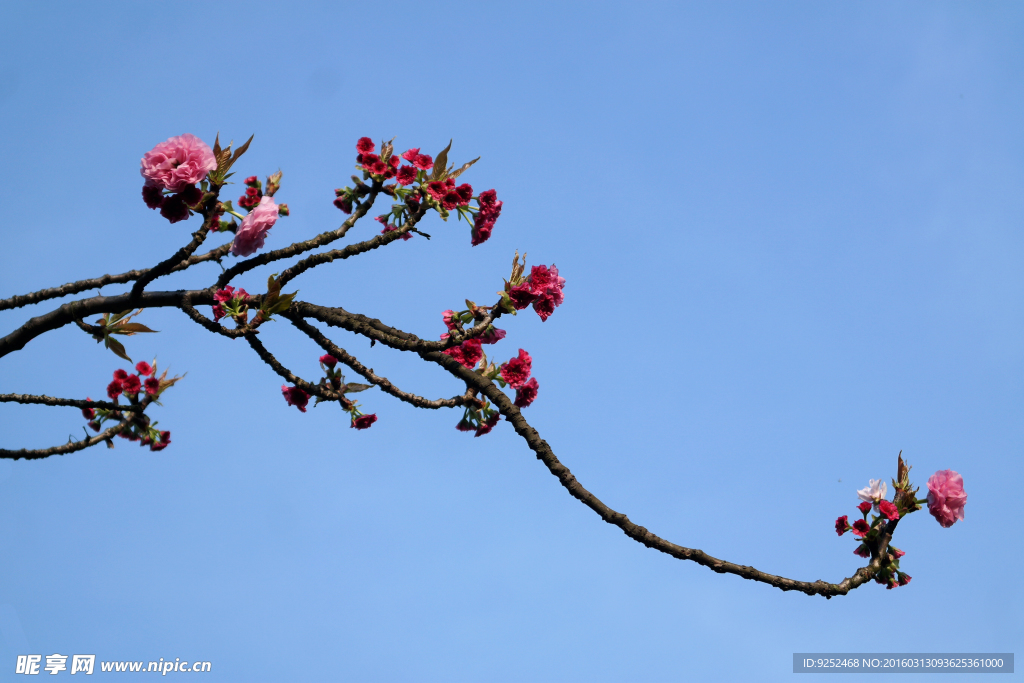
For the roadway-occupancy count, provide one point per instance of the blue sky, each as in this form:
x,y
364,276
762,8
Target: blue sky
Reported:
x,y
792,240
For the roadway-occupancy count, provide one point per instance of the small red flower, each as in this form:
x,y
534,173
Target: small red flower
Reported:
x,y
411,154
521,296
114,390
465,426
120,374
488,425
451,320
144,368
174,209
153,196
862,551
295,396
424,162
343,204
888,510
131,384
329,360
842,525
527,394
468,353
365,145
861,528
864,507
516,371
406,175
152,386
364,421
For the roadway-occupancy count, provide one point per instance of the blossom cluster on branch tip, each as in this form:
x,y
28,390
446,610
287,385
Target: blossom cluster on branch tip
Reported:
x,y
334,382
172,171
421,181
542,288
137,391
946,500
174,167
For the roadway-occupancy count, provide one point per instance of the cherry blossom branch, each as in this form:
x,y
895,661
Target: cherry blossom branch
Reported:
x,y
181,163
299,247
367,373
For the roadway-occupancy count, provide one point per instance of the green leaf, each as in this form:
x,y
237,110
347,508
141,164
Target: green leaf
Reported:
x,y
116,347
441,162
120,315
352,388
130,329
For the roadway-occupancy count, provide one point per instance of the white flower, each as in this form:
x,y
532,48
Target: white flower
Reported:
x,y
874,492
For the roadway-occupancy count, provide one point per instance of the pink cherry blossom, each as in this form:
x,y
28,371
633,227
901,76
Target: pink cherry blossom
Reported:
x,y
253,230
178,162
946,497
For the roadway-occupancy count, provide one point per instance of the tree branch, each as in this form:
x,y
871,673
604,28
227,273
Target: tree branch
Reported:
x,y
638,533
69,447
367,373
299,247
95,283
70,402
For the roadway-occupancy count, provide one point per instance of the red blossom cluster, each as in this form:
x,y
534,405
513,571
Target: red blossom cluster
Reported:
x,y
483,223
383,168
230,302
542,288
131,385
334,380
174,207
253,193
439,189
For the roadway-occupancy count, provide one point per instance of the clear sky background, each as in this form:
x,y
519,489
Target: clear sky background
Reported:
x,y
792,239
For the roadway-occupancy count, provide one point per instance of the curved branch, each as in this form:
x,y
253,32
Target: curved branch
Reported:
x,y
389,336
67,313
299,247
95,283
165,266
70,402
212,326
367,373
352,249
69,447
288,375
639,533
